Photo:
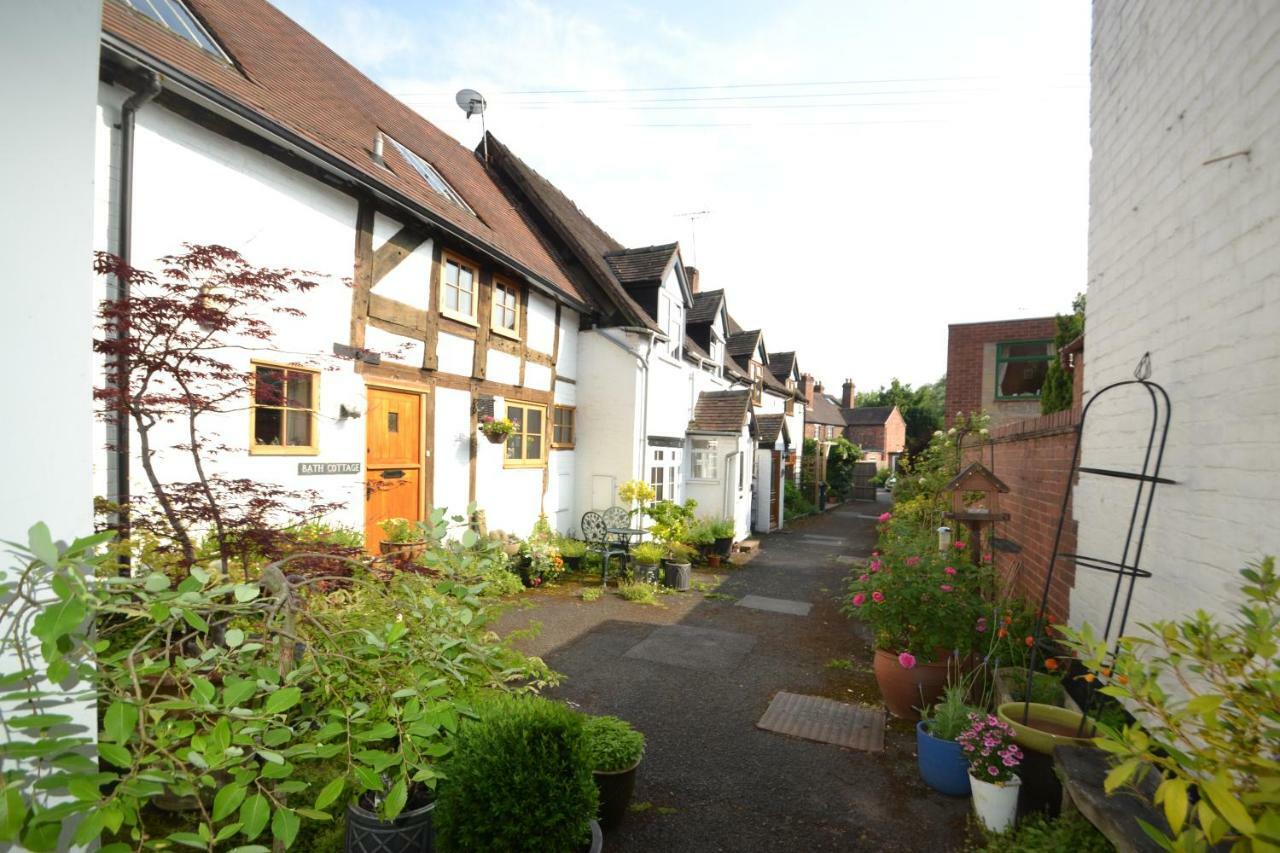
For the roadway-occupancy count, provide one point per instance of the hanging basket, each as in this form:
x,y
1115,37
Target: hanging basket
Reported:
x,y
495,436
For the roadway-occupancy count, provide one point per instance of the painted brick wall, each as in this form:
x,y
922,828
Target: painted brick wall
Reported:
x,y
968,362
1033,458
1184,254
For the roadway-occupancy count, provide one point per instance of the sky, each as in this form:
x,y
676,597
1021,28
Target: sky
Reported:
x,y
870,170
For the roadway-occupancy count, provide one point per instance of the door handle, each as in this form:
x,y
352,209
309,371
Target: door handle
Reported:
x,y
393,474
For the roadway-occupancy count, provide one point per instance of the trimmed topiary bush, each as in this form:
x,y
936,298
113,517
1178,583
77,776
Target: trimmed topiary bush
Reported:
x,y
519,779
612,744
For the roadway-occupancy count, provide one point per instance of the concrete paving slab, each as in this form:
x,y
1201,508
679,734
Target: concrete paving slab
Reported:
x,y
693,648
776,605
826,721
824,540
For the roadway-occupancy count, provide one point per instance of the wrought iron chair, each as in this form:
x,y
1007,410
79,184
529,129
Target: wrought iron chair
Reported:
x,y
596,532
617,518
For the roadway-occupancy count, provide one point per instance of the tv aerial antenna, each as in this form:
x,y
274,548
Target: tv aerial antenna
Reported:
x,y
473,103
693,216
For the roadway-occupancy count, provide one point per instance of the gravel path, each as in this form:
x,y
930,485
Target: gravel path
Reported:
x,y
696,673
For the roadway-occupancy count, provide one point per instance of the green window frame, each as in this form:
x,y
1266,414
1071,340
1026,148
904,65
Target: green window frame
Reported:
x,y
1018,363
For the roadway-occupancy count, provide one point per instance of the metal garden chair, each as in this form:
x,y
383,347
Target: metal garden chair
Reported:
x,y
596,532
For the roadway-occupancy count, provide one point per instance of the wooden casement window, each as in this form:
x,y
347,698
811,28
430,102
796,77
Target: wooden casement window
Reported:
x,y
527,446
757,382
562,429
459,289
282,420
505,319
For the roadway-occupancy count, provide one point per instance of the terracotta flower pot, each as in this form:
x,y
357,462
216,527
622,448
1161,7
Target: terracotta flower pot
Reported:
x,y
906,690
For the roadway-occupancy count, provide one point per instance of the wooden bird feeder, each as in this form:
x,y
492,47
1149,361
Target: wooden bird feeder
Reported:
x,y
975,501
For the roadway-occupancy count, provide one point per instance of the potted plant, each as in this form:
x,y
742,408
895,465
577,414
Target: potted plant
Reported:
x,y
1010,685
519,778
722,530
943,765
571,551
927,612
677,566
647,556
405,539
540,558
993,756
497,431
702,538
614,749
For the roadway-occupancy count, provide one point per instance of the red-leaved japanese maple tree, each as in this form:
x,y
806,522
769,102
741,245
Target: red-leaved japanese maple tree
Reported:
x,y
179,333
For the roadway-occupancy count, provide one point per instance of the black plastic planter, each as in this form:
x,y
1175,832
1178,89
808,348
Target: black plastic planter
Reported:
x,y
615,795
677,575
723,546
412,832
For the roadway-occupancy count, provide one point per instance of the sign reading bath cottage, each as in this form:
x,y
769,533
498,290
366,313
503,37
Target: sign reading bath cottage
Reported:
x,y
329,468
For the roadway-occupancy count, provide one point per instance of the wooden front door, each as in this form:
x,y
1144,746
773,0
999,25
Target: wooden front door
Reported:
x,y
393,460
775,487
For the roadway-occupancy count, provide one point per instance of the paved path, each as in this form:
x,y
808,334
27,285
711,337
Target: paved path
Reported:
x,y
696,674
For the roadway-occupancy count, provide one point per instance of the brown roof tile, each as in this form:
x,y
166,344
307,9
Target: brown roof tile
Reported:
x,y
638,266
286,75
721,411
769,427
867,415
706,305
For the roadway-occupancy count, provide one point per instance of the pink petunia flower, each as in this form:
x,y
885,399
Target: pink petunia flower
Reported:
x,y
859,599
949,570
885,517
877,596
946,587
906,660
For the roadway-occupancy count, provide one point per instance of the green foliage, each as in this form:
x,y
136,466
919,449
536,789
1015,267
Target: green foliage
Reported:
x,y
949,716
919,499
519,779
678,552
1056,394
1045,688
591,593
722,528
840,460
221,691
612,744
795,505
671,521
638,592
700,533
648,553
1036,833
1207,697
400,530
923,409
541,553
570,547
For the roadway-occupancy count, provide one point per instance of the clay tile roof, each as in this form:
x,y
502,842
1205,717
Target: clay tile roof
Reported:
x,y
742,344
867,415
781,364
706,305
636,266
691,348
721,411
287,76
825,410
769,427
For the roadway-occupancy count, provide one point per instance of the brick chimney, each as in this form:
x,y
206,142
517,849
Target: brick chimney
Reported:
x,y
806,389
847,397
692,273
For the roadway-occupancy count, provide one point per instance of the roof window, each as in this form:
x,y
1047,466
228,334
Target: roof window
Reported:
x,y
433,178
177,18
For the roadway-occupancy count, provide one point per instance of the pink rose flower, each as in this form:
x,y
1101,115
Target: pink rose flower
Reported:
x,y
959,546
877,596
875,565
913,561
906,660
950,570
859,599
885,517
981,627
946,587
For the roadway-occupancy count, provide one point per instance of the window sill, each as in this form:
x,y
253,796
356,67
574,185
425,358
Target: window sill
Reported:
x,y
563,446
704,482
460,317
527,466
272,450
506,333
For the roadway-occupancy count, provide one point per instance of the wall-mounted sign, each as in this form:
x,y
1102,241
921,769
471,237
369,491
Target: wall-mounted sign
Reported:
x,y
305,468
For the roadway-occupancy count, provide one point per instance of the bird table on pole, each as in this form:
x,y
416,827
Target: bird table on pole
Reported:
x,y
975,501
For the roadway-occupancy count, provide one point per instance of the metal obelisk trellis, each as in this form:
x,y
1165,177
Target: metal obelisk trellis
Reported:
x,y
1146,478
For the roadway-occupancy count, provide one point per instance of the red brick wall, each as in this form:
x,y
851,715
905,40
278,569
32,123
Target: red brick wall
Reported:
x,y
965,362
1033,458
870,437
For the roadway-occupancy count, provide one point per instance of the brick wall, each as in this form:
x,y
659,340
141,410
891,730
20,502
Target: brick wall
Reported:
x,y
1184,262
971,362
1033,458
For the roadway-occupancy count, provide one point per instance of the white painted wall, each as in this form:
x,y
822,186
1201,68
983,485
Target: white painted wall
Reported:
x,y
50,56
609,398
1183,260
541,319
452,458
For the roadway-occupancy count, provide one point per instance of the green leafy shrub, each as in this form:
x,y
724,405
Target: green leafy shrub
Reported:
x,y
591,593
1036,833
638,592
700,533
722,528
678,552
1057,394
795,505
612,744
648,553
840,461
1207,698
671,521
571,547
519,779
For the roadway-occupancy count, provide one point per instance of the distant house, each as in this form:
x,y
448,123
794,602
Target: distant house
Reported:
x,y
823,418
998,367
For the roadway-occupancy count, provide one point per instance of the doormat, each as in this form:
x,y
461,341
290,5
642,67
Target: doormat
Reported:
x,y
826,721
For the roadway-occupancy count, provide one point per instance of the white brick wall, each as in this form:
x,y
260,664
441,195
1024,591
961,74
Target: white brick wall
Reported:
x,y
1183,261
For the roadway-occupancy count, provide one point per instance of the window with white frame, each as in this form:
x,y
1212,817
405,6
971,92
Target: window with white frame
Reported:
x,y
717,349
671,318
664,472
704,459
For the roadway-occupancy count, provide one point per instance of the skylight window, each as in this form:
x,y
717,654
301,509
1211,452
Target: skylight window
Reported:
x,y
431,176
177,18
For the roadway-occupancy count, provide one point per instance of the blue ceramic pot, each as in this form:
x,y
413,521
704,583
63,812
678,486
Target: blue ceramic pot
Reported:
x,y
942,764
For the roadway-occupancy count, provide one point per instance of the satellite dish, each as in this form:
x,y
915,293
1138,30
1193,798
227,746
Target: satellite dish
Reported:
x,y
470,102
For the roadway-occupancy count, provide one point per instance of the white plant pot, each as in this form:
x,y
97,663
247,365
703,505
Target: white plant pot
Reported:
x,y
995,803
